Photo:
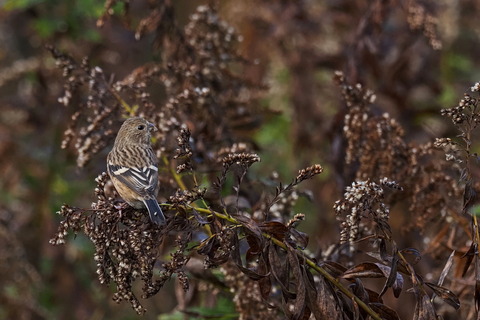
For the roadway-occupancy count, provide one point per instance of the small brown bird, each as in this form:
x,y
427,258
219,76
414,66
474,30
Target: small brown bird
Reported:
x,y
132,166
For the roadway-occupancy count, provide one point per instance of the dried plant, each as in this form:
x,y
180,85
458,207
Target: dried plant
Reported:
x,y
376,149
218,212
465,116
200,87
201,90
229,83
363,199
127,245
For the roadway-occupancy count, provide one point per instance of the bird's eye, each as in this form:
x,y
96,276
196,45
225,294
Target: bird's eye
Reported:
x,y
141,127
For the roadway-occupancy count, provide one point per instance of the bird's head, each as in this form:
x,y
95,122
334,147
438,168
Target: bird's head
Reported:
x,y
135,131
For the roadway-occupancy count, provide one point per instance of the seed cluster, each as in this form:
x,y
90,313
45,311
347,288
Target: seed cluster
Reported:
x,y
362,204
308,173
184,150
126,244
376,148
242,159
465,111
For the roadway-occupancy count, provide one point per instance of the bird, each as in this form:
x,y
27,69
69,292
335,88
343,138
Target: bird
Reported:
x,y
132,166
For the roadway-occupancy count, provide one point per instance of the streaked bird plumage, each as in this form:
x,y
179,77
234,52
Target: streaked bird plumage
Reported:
x,y
132,166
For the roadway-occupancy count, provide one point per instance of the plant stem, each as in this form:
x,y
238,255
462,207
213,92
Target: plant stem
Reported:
x,y
309,261
176,176
282,245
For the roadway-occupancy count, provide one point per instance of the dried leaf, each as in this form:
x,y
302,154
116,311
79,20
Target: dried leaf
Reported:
x,y
414,252
424,309
373,296
384,311
388,259
279,271
445,294
235,254
206,245
299,303
446,268
254,236
251,274
378,270
363,270
334,268
382,246
276,229
394,279
469,196
251,226
383,226
254,248
301,238
367,270
265,287
469,255
326,305
359,290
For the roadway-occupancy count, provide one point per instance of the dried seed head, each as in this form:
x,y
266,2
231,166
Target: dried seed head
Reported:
x,y
309,172
243,159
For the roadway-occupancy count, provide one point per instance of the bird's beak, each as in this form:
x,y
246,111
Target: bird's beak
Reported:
x,y
151,127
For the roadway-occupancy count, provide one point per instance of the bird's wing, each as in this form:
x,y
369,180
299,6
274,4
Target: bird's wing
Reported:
x,y
143,181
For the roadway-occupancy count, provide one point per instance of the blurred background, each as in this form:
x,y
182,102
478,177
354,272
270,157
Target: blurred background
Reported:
x,y
418,57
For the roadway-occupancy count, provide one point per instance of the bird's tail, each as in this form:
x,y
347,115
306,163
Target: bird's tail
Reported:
x,y
156,214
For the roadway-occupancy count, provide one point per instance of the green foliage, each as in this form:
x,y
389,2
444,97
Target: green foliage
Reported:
x,y
274,139
74,18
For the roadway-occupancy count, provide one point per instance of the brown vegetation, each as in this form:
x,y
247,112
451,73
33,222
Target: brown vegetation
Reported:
x,y
392,219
